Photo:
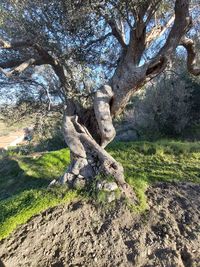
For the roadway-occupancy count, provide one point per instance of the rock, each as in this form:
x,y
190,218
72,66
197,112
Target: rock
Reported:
x,y
79,164
67,178
99,185
53,182
110,186
79,182
107,186
111,197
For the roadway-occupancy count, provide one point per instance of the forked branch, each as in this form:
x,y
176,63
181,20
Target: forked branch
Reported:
x,y
42,57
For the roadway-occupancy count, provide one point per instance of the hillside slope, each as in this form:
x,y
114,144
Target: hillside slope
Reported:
x,y
24,178
81,234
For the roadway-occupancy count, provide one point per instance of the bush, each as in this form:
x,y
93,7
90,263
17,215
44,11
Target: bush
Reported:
x,y
167,108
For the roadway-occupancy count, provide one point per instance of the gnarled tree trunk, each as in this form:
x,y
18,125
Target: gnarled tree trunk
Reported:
x,y
87,145
88,155
88,132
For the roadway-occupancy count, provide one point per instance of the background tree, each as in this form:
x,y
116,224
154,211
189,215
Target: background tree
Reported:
x,y
114,46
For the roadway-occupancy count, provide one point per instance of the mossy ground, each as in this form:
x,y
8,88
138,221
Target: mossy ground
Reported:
x,y
24,179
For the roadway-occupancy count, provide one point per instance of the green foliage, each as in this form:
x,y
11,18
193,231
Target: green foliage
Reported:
x,y
24,179
167,109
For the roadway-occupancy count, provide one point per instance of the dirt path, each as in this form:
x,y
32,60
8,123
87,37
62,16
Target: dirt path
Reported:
x,y
168,235
12,139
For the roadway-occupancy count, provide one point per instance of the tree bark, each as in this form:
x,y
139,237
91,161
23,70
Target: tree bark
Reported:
x,y
87,145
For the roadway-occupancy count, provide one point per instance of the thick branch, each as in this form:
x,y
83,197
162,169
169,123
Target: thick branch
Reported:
x,y
117,33
15,45
47,58
137,42
72,137
182,23
189,45
11,63
20,65
20,68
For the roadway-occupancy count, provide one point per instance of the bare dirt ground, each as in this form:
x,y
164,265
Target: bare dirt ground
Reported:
x,y
80,234
12,139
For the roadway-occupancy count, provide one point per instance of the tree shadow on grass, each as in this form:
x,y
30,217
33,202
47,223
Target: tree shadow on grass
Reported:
x,y
14,180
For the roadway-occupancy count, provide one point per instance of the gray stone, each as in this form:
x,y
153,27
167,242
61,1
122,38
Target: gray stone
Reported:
x,y
111,197
99,185
110,186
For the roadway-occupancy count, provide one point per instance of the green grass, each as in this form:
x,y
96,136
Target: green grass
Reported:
x,y
19,208
164,161
24,179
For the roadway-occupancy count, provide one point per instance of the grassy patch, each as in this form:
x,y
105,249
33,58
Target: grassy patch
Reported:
x,y
23,183
19,208
24,179
149,162
19,173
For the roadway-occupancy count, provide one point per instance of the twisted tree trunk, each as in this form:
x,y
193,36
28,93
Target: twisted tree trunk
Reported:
x,y
87,144
87,132
88,155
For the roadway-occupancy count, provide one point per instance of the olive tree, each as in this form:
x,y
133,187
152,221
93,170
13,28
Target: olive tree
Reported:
x,y
129,42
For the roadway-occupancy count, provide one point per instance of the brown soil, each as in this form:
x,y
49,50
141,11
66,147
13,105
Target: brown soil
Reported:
x,y
7,140
80,234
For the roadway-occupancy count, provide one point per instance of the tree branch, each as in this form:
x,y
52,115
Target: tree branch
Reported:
x,y
152,10
137,43
102,101
189,45
182,23
15,45
20,65
11,63
116,31
99,40
20,68
26,44
158,31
